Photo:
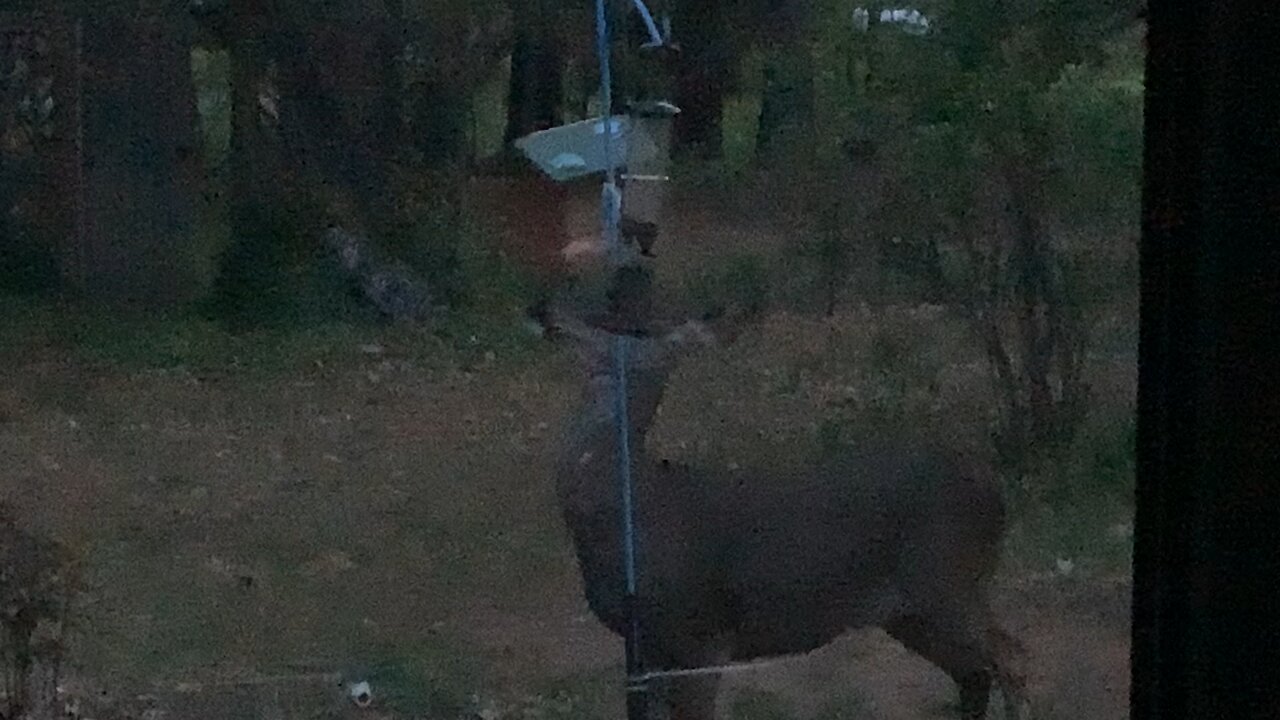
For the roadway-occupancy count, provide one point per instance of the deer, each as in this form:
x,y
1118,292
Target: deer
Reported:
x,y
735,567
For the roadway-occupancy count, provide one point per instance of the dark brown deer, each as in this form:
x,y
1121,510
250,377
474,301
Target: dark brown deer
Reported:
x,y
736,567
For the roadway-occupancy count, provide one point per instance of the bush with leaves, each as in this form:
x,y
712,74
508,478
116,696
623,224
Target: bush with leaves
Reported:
x,y
37,586
1010,165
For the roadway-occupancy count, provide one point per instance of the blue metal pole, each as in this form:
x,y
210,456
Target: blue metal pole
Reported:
x,y
611,201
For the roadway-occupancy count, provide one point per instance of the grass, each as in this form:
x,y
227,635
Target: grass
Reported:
x,y
578,696
112,339
350,560
435,679
175,413
390,507
1083,513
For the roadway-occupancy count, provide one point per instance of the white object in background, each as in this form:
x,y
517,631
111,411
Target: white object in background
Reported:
x,y
360,693
861,19
911,21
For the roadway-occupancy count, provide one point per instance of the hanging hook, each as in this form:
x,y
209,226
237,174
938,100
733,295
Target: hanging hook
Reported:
x,y
657,38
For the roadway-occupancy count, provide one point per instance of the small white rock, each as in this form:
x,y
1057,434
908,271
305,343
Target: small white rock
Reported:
x,y
360,693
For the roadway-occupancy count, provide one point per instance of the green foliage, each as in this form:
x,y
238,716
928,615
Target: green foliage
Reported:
x,y
432,680
580,696
1013,128
1081,508
741,119
895,395
742,283
1095,111
211,74
1106,461
271,281
447,248
152,341
28,262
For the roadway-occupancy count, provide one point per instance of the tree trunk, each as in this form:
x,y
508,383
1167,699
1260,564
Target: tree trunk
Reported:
x,y
787,110
703,72
255,163
535,90
332,79
262,193
141,164
1051,341
440,116
40,248
391,58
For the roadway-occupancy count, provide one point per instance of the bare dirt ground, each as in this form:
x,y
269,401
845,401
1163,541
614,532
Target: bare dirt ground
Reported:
x,y
1076,634
382,514
369,502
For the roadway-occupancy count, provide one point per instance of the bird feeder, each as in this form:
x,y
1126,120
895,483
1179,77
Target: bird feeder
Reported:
x,y
645,179
576,150
641,151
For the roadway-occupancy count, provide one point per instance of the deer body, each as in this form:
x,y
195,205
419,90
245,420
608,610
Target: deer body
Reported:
x,y
736,566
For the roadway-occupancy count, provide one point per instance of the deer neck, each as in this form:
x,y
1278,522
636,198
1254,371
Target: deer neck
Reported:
x,y
588,474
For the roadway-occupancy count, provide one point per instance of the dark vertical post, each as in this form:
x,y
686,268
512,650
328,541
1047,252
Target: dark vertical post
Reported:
x,y
79,274
704,69
1206,559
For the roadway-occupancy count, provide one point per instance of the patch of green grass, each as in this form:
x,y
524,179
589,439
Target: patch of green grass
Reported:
x,y
152,341
428,680
488,114
211,72
582,696
1080,509
740,283
162,611
489,334
896,391
25,323
741,120
27,266
168,625
141,341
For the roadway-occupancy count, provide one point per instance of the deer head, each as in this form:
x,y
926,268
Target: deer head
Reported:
x,y
650,354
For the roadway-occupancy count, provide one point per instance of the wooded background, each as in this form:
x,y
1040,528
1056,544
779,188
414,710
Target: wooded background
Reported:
x,y
191,154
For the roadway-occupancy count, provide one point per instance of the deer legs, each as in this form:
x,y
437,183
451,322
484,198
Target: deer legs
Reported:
x,y
1011,666
688,697
685,698
974,660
